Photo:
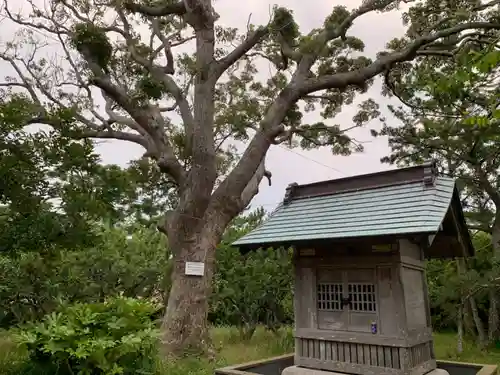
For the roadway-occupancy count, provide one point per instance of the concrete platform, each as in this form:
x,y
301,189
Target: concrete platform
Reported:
x,y
276,365
296,370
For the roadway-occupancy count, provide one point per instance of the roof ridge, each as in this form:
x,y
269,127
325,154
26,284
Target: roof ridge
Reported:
x,y
425,173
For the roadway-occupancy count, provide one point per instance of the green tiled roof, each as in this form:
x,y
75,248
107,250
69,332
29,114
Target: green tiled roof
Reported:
x,y
391,210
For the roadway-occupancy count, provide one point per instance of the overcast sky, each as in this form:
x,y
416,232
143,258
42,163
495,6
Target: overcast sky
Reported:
x,y
297,165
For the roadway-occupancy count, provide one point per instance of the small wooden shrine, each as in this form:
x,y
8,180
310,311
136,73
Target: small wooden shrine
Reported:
x,y
361,304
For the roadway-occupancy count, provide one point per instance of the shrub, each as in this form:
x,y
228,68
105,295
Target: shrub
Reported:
x,y
31,284
117,336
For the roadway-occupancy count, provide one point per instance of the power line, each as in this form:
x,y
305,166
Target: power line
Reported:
x,y
275,204
314,161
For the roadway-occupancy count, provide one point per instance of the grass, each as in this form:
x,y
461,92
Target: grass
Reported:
x,y
231,350
445,346
10,355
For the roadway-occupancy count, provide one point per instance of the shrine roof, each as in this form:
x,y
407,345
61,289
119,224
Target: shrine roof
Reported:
x,y
399,202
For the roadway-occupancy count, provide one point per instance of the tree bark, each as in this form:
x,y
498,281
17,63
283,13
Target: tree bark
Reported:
x,y
469,325
478,322
460,326
493,316
184,329
471,303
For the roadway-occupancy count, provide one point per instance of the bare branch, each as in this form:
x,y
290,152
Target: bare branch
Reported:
x,y
114,134
88,133
357,77
60,30
367,7
250,41
26,83
480,228
178,9
167,48
252,188
158,72
435,53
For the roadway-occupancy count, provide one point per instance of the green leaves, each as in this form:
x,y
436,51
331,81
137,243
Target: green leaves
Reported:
x,y
89,39
33,284
254,288
117,336
151,88
283,24
451,114
486,62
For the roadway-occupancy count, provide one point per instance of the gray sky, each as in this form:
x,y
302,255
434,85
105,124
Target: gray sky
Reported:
x,y
298,165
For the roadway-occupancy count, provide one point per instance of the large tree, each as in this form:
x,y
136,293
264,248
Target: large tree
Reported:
x,y
120,78
451,114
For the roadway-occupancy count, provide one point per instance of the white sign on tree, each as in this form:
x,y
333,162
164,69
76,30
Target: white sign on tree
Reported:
x,y
195,268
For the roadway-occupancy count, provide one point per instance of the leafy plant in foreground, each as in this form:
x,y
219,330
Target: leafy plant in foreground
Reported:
x,y
114,337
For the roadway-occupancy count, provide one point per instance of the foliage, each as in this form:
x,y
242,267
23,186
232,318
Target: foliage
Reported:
x,y
252,289
35,169
113,337
249,289
91,40
451,115
54,190
448,284
33,284
150,193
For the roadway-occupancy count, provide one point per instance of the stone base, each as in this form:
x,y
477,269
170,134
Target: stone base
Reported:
x,y
296,370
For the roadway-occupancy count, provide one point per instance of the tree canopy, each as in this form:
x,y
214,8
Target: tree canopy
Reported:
x,y
450,113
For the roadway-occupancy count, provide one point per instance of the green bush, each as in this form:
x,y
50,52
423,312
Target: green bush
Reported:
x,y
117,336
32,284
252,289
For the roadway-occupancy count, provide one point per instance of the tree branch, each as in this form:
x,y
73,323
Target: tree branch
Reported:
x,y
252,188
160,73
231,189
493,193
328,34
164,153
178,9
480,228
357,77
167,48
250,41
435,53
89,133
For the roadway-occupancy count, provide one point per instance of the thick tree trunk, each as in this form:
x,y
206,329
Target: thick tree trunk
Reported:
x,y
184,327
